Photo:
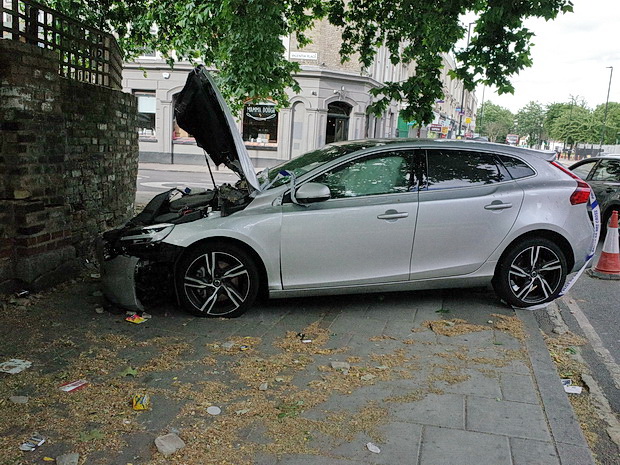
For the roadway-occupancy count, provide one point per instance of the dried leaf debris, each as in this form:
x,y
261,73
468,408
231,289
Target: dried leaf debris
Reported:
x,y
298,412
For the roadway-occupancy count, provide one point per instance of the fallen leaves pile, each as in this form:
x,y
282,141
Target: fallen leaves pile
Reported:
x,y
273,398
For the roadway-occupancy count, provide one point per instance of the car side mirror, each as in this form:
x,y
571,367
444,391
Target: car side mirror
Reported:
x,y
312,192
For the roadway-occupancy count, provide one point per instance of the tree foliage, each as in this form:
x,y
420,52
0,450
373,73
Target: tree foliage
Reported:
x,y
530,123
611,131
242,38
494,121
571,122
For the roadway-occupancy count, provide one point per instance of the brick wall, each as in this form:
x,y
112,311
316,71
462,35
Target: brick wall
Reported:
x,y
326,42
68,165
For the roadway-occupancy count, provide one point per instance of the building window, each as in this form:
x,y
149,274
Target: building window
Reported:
x,y
260,125
337,122
146,114
148,53
179,135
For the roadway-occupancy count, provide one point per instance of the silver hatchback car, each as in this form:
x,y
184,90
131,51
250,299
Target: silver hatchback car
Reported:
x,y
361,216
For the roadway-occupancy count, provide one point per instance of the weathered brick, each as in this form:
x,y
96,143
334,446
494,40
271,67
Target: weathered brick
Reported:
x,y
63,143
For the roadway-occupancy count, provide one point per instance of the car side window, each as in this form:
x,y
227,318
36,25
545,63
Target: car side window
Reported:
x,y
583,170
607,170
517,168
460,168
386,173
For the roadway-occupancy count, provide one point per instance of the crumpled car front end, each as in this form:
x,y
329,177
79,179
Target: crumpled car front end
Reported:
x,y
136,263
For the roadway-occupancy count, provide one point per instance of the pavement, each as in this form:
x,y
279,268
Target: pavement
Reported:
x,y
429,378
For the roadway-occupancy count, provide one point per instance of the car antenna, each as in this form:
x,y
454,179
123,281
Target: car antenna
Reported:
x,y
210,171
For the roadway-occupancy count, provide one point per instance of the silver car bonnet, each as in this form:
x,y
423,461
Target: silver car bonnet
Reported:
x,y
201,110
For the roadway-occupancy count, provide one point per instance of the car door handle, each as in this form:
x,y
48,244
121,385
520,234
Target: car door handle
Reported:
x,y
392,215
497,205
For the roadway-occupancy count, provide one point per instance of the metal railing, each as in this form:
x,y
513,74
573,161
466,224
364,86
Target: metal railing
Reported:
x,y
85,53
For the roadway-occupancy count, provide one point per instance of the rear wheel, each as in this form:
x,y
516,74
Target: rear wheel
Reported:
x,y
217,280
532,272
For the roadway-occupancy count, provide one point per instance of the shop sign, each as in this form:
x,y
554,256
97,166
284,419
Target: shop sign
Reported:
x,y
445,129
304,55
261,112
467,120
435,127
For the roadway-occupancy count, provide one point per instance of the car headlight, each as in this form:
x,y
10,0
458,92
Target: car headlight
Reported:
x,y
148,234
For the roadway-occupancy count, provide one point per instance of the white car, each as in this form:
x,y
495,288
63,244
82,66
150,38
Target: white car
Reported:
x,y
360,216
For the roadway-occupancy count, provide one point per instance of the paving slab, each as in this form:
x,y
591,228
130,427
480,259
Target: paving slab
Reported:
x,y
434,409
528,452
518,388
513,419
400,446
477,384
445,446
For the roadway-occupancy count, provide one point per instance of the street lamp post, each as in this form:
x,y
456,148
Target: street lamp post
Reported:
x,y
481,113
463,91
611,72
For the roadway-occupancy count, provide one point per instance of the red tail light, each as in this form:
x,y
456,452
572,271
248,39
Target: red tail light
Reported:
x,y
582,193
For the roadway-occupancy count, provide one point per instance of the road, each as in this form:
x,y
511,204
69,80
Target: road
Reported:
x,y
592,308
152,182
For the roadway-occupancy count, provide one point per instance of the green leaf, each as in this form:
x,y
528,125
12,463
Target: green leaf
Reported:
x,y
129,372
91,435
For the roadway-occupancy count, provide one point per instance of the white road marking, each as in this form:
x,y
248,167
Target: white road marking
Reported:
x,y
596,342
172,184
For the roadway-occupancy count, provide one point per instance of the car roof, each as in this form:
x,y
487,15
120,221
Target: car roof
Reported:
x,y
452,144
607,156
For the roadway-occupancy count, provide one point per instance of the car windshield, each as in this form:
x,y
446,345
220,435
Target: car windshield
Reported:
x,y
308,161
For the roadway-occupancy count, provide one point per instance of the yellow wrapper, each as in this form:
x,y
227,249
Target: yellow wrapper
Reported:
x,y
141,402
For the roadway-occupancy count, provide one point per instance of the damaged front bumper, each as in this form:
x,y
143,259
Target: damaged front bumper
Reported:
x,y
132,274
118,280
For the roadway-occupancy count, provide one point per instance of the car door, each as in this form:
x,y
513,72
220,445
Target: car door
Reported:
x,y
605,181
362,235
467,206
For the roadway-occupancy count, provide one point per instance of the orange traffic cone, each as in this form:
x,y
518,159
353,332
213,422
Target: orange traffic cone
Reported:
x,y
608,266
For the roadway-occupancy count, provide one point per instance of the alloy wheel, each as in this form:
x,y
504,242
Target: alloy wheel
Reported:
x,y
216,283
535,274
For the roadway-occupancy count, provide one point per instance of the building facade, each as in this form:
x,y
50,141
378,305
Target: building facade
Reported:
x,y
332,105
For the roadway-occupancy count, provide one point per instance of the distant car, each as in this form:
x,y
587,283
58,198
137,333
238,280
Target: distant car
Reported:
x,y
360,216
602,173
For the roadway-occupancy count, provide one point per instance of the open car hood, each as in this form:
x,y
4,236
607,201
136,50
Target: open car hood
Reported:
x,y
201,110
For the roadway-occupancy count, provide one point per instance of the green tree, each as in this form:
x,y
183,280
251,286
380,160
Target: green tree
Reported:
x,y
495,122
612,123
572,124
530,123
242,38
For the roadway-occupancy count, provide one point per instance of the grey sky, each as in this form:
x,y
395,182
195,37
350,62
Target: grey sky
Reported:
x,y
570,57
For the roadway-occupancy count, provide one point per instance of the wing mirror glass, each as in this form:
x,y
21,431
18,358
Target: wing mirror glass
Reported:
x,y
312,192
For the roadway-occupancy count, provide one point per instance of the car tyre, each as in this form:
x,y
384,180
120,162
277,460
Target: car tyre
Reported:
x,y
532,272
217,280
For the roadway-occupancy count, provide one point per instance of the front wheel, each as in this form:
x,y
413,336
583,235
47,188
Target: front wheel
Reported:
x,y
217,280
532,272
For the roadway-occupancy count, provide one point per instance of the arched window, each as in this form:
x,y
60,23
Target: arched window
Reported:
x,y
337,122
